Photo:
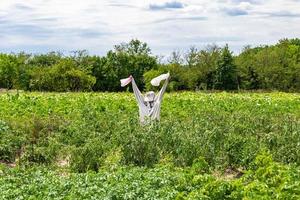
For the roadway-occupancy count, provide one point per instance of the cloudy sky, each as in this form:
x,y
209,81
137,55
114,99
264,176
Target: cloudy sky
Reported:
x,y
40,26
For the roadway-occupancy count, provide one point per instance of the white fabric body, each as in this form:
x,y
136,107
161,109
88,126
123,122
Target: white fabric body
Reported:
x,y
148,110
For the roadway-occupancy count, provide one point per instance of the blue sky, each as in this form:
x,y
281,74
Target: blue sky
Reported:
x,y
39,26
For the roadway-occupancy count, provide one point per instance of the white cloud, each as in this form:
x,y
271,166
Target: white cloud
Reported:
x,y
44,25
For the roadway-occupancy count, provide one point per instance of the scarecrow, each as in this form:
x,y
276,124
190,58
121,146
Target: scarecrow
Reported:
x,y
149,104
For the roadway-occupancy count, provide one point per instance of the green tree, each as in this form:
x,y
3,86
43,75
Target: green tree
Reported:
x,y
8,71
271,67
61,77
226,74
133,58
45,60
202,74
176,58
191,57
248,76
134,47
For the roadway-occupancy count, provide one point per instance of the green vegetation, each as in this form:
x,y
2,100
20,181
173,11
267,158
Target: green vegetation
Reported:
x,y
274,67
207,146
268,180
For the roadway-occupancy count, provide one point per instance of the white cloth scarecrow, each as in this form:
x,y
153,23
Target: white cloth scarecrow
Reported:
x,y
149,105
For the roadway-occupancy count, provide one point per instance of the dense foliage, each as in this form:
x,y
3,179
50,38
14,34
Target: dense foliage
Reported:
x,y
207,146
225,129
266,180
274,67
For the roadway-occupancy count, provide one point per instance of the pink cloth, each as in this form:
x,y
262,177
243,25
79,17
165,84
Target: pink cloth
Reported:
x,y
125,81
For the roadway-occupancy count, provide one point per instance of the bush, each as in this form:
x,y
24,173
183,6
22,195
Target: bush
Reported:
x,y
63,76
10,143
141,148
87,157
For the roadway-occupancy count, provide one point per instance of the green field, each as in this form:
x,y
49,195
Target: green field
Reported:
x,y
206,146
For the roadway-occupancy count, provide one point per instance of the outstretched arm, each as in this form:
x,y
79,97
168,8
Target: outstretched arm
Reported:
x,y
163,89
137,93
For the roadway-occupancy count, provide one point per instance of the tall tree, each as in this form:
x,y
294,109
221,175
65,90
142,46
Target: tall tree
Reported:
x,y
134,47
191,56
175,58
8,71
226,74
133,58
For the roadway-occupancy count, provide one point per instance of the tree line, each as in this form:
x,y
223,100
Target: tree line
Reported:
x,y
266,67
